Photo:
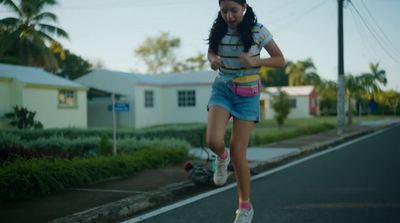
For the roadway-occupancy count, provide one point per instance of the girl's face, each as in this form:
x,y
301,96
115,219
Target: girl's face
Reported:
x,y
232,12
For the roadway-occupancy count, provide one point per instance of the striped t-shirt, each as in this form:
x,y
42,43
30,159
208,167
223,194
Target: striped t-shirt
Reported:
x,y
231,47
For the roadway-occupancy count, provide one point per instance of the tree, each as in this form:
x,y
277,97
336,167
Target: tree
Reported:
x,y
371,81
301,73
354,89
196,63
26,38
281,107
273,77
72,66
327,91
158,53
388,101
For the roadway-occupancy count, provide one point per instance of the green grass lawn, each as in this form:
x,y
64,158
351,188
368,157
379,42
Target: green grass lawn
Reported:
x,y
271,127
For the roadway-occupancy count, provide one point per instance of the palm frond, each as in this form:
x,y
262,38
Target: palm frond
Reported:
x,y
45,36
9,22
41,4
53,30
10,4
9,41
45,16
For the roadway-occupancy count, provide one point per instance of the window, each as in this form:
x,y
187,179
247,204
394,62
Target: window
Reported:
x,y
67,98
148,98
187,98
292,103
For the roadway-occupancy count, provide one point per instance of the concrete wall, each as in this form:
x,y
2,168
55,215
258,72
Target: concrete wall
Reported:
x,y
99,114
175,114
148,116
5,97
166,109
45,102
302,109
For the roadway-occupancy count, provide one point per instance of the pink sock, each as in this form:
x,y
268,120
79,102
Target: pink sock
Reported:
x,y
245,205
224,156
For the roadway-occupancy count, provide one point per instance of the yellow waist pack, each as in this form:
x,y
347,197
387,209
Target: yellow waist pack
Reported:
x,y
246,86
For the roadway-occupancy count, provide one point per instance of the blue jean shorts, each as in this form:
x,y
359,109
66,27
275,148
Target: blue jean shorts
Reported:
x,y
243,108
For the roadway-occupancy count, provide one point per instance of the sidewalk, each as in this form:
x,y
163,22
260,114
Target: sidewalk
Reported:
x,y
118,198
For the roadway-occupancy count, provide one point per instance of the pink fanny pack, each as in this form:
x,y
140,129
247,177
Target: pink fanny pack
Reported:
x,y
245,89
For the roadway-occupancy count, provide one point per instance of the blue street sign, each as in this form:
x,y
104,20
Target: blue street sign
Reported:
x,y
119,107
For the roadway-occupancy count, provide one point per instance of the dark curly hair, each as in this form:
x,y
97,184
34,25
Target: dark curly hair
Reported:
x,y
220,28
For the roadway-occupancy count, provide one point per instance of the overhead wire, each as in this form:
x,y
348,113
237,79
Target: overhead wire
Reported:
x,y
302,15
363,39
372,33
393,47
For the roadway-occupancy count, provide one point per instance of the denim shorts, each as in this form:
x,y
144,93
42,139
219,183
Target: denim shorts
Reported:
x,y
243,108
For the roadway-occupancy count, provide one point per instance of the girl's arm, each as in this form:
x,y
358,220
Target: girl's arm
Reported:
x,y
214,59
276,60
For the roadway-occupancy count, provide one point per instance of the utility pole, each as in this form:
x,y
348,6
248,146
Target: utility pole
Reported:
x,y
341,119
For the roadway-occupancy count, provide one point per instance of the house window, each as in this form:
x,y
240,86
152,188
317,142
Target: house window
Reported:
x,y
187,98
292,103
148,98
67,98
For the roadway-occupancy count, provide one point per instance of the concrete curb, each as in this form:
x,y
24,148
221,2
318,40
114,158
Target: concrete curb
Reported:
x,y
139,203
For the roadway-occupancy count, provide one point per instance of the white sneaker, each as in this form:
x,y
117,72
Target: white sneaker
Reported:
x,y
221,170
244,216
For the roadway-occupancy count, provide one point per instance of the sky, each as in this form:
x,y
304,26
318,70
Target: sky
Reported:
x,y
110,30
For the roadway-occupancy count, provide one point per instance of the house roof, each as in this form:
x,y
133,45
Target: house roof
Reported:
x,y
292,90
201,77
37,76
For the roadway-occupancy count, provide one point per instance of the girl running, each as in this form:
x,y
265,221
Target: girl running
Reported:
x,y
235,42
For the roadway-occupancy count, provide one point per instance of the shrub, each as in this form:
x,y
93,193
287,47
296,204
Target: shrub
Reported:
x,y
25,178
105,148
22,118
281,107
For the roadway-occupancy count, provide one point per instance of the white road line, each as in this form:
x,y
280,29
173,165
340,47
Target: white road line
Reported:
x,y
230,186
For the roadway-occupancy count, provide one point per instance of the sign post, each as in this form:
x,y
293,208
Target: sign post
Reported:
x,y
114,126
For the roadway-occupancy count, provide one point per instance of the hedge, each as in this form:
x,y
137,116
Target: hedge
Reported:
x,y
56,146
193,134
39,176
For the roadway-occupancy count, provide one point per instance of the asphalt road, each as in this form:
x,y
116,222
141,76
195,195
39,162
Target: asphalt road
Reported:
x,y
355,183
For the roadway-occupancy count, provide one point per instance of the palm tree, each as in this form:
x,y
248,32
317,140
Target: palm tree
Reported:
x,y
301,73
26,38
354,89
371,81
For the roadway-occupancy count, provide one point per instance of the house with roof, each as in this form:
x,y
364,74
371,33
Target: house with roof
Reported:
x,y
147,100
303,101
57,102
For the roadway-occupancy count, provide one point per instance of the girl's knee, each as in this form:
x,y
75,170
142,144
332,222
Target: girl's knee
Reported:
x,y
215,143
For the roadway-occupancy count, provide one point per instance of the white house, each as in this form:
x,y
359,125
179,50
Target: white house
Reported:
x,y
57,102
148,99
303,101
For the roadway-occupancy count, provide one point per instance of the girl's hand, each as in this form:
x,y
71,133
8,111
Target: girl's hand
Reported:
x,y
247,61
216,63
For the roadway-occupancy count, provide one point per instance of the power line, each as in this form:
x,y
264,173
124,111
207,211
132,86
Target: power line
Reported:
x,y
372,33
301,15
393,47
360,35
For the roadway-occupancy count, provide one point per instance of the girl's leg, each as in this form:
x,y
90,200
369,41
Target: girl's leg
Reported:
x,y
217,120
240,136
